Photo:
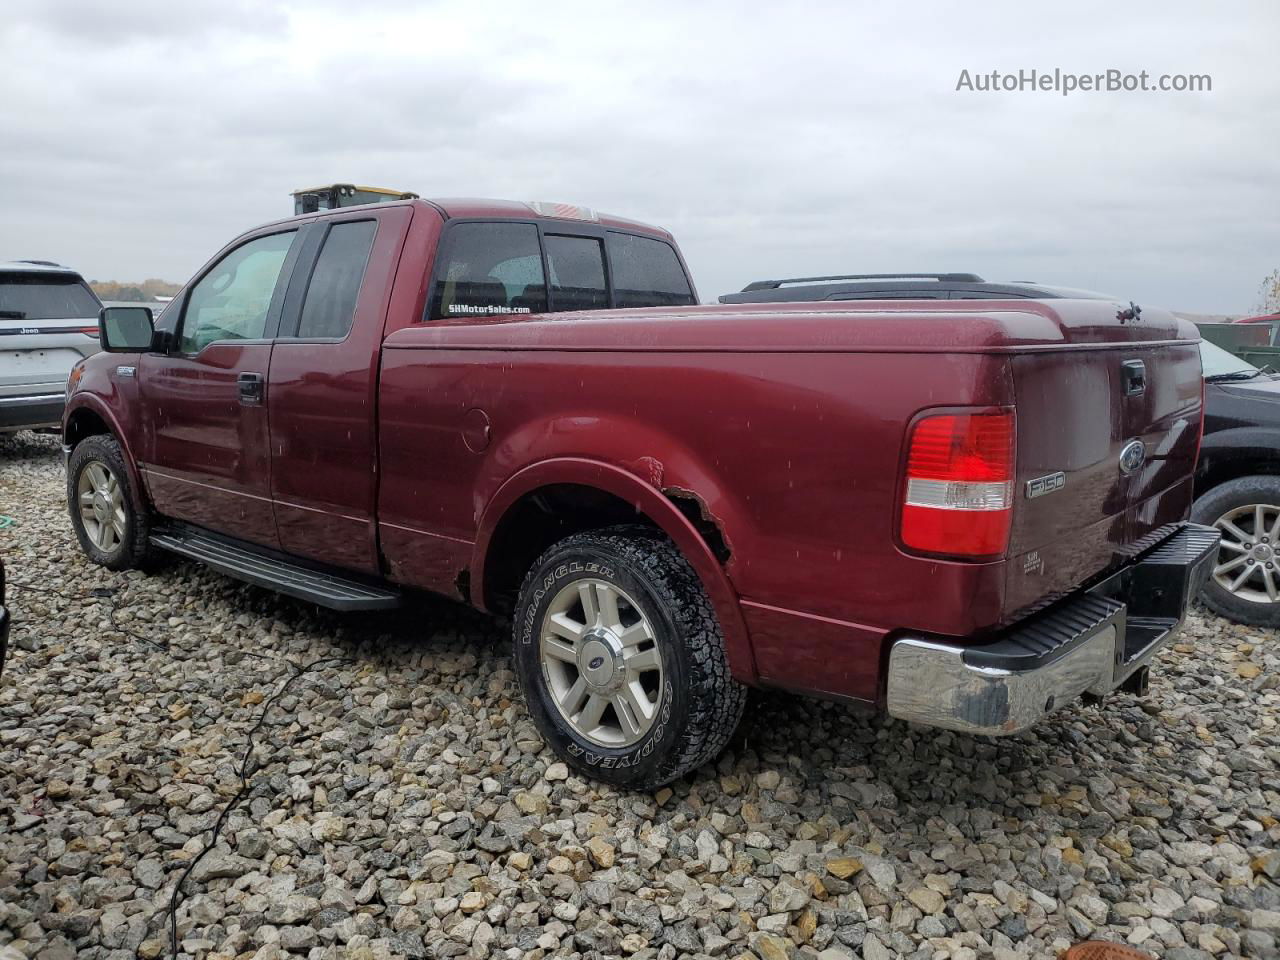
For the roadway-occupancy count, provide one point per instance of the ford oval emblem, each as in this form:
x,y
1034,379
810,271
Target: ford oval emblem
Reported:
x,y
596,663
1133,456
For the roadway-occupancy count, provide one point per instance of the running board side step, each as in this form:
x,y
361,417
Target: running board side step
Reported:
x,y
276,571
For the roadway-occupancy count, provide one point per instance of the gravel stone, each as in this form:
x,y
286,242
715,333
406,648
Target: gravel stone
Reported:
x,y
405,806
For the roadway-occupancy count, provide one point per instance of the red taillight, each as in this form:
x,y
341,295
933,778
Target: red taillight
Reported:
x,y
959,489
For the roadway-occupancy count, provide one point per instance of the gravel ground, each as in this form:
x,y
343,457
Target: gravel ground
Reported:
x,y
404,806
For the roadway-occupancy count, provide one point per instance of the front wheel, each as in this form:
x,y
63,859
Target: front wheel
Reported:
x,y
111,531
621,659
1245,584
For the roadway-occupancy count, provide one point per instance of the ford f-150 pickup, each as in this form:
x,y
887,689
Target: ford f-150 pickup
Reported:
x,y
965,514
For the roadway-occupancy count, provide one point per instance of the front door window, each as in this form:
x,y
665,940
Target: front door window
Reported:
x,y
231,301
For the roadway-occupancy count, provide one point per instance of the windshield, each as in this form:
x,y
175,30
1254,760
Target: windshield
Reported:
x,y
1217,362
27,296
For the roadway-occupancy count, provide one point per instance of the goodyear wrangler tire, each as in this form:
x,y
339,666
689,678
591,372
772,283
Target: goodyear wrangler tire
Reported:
x,y
621,659
111,531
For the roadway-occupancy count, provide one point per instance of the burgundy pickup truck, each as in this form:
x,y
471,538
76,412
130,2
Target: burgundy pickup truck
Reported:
x,y
966,514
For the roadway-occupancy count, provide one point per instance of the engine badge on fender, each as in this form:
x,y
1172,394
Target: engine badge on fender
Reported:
x,y
1050,483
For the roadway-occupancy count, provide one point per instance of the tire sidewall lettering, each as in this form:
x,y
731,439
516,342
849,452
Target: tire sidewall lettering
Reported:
x,y
634,755
552,581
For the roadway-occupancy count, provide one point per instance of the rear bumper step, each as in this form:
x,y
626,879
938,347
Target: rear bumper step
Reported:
x,y
267,568
1091,643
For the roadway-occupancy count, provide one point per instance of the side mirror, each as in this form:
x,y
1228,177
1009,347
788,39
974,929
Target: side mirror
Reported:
x,y
125,329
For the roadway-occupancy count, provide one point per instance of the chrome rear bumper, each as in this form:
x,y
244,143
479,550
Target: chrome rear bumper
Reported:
x,y
1088,643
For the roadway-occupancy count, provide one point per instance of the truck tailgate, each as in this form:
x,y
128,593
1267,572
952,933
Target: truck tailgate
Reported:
x,y
1106,444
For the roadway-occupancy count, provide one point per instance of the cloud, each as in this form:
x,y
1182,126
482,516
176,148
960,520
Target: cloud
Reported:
x,y
772,140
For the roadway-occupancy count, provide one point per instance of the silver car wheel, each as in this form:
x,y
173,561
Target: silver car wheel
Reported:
x,y
102,509
1248,566
601,663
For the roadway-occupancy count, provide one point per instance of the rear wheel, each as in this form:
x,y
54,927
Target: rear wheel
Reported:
x,y
111,531
621,658
1245,583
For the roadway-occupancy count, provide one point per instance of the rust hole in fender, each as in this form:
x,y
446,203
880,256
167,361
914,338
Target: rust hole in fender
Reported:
x,y
695,510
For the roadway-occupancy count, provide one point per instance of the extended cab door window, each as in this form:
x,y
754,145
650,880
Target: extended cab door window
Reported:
x,y
330,303
576,266
232,300
321,384
647,273
488,268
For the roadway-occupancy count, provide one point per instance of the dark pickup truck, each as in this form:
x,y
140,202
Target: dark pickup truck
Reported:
x,y
967,514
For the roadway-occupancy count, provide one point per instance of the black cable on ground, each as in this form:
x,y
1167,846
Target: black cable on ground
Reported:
x,y
247,768
247,771
97,593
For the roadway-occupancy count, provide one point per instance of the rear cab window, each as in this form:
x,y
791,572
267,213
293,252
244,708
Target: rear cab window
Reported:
x,y
497,268
647,273
576,265
46,296
489,269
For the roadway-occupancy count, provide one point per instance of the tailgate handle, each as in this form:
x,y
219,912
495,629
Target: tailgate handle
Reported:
x,y
1133,377
251,389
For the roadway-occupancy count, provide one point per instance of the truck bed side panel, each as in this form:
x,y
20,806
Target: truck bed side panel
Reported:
x,y
795,457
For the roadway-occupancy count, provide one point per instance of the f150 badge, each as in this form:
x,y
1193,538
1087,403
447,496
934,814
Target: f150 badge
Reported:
x,y
1051,483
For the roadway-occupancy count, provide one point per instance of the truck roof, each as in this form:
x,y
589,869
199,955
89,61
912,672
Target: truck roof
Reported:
x,y
478,207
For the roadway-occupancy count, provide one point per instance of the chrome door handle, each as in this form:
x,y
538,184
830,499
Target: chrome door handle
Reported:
x,y
252,388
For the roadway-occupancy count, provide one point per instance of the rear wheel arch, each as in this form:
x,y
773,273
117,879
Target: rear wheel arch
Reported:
x,y
588,495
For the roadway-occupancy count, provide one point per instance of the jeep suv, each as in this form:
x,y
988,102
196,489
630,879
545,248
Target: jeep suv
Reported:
x,y
48,322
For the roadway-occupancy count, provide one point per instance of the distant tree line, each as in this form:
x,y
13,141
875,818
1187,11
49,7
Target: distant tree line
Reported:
x,y
1269,294
146,291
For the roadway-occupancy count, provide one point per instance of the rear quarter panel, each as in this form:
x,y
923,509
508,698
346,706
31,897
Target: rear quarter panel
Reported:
x,y
795,455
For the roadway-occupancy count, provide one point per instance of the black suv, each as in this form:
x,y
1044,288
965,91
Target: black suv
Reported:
x,y
1238,486
1238,476
901,286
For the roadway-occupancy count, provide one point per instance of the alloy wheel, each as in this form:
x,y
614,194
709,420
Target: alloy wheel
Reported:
x,y
1248,566
102,509
600,659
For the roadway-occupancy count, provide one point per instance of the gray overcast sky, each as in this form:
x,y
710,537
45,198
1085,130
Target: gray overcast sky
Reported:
x,y
774,140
